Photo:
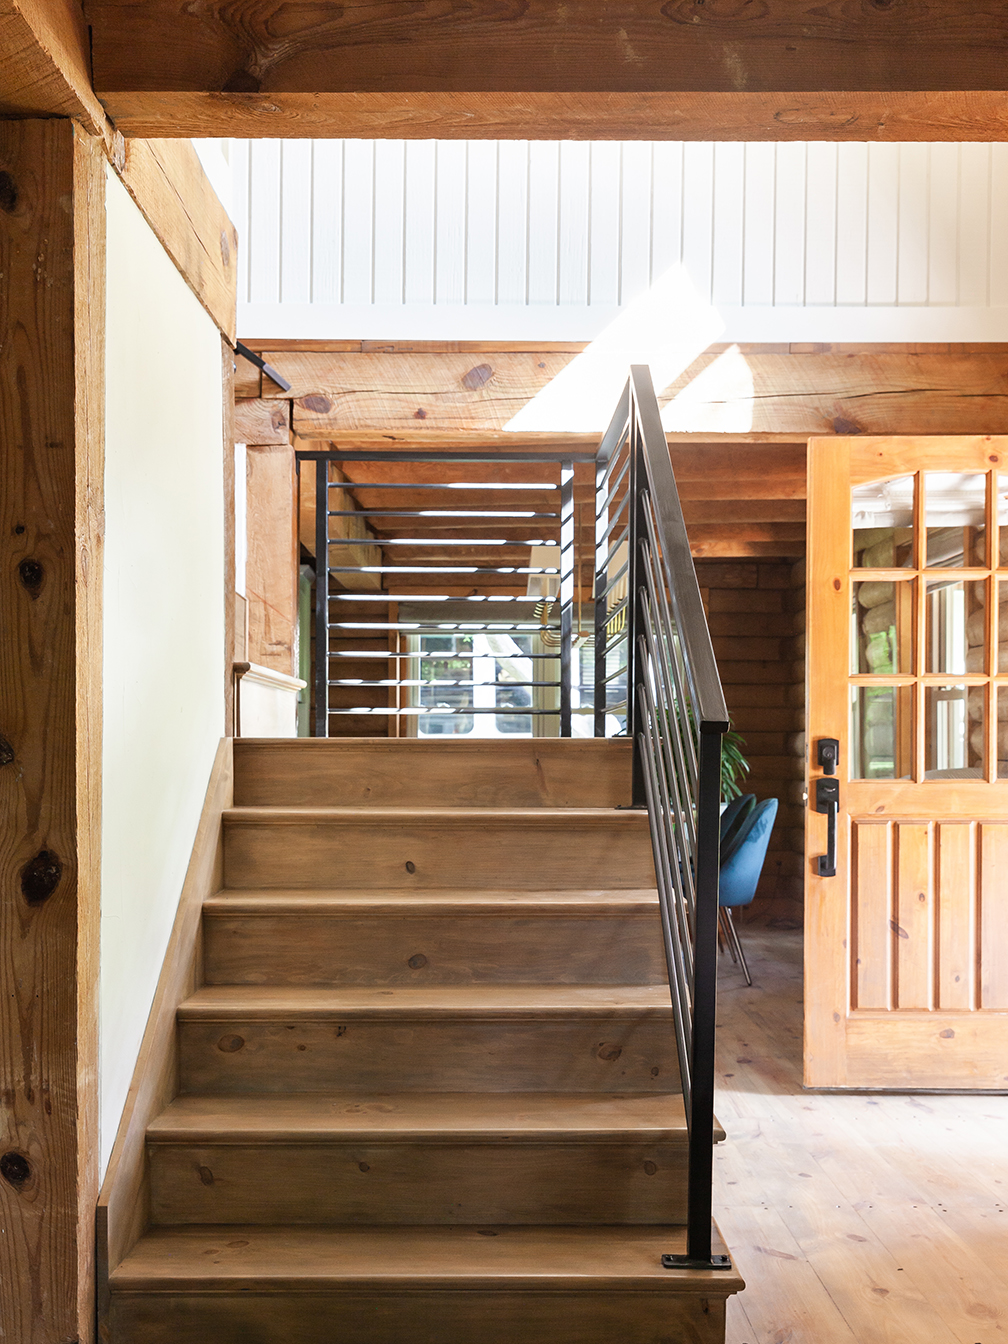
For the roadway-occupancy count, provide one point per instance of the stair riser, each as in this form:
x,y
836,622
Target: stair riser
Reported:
x,y
423,1317
411,950
575,1054
483,853
411,773
419,1183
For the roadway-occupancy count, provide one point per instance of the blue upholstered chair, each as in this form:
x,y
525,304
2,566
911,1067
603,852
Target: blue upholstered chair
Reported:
x,y
733,817
741,864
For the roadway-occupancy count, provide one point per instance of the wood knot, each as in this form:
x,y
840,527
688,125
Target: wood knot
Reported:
x,y
419,413
417,962
225,249
205,1175
477,377
32,575
15,1169
6,751
8,193
317,403
609,1052
230,1045
40,877
650,1168
363,1166
410,866
947,1035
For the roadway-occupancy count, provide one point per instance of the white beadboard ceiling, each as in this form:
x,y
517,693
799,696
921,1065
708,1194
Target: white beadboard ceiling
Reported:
x,y
516,240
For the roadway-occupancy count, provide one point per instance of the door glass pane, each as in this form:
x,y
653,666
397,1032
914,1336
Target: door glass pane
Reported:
x,y
1002,704
882,627
1002,639
881,732
956,628
953,739
1002,513
882,522
955,517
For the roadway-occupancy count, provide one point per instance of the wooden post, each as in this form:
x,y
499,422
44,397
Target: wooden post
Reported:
x,y
271,573
52,385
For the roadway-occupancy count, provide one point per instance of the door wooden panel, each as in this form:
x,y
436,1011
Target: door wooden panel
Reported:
x,y
910,929
872,911
994,916
907,945
956,892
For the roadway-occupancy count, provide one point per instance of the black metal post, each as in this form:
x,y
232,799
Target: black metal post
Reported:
x,y
321,597
638,530
566,592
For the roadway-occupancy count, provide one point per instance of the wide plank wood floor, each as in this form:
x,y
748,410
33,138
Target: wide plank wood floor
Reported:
x,y
858,1218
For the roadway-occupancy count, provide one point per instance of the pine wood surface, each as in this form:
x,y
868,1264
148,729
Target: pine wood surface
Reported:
x,y
46,65
336,395
871,1217
544,772
517,1116
899,116
557,1259
166,180
52,380
258,421
271,569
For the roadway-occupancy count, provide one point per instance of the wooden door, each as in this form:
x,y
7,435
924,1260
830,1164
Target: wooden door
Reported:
x,y
906,947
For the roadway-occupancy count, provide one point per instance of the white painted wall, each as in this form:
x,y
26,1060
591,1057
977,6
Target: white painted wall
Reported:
x,y
163,620
549,240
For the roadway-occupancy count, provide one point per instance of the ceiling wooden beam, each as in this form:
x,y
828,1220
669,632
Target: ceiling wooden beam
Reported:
x,y
788,395
683,69
45,63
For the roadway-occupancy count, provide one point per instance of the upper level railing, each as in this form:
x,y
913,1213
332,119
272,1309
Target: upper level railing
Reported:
x,y
656,681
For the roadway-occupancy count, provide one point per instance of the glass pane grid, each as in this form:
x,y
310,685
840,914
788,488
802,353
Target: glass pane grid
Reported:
x,y
924,569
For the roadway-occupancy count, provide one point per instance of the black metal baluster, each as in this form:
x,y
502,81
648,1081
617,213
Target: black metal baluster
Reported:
x,y
321,597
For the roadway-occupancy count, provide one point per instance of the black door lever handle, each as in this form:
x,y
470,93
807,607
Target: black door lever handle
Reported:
x,y
827,799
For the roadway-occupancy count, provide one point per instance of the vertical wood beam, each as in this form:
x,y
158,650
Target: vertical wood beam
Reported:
x,y
272,566
52,386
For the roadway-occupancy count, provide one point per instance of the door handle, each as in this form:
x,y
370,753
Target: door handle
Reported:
x,y
827,799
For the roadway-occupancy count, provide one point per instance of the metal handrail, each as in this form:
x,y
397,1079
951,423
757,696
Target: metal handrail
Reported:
x,y
676,715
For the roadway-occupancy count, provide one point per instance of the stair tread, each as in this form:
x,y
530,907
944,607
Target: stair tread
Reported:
x,y
263,1003
278,1259
536,816
439,901
478,1116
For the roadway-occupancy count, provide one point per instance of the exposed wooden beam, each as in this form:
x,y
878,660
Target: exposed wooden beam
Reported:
x,y
52,416
45,63
685,69
258,421
353,397
167,182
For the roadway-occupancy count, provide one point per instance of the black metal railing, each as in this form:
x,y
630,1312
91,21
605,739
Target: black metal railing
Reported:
x,y
408,574
656,681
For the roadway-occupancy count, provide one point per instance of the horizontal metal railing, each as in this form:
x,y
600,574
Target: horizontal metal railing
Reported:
x,y
657,682
403,561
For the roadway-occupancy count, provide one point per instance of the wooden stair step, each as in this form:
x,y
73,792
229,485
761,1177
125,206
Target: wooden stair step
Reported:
x,y
449,1158
436,847
454,1038
384,938
382,772
445,901
477,1116
415,1285
220,1003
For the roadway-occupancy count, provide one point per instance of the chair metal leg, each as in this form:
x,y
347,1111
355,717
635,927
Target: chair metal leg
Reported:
x,y
724,937
733,938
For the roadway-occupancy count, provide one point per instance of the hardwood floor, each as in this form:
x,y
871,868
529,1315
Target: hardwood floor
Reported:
x,y
855,1218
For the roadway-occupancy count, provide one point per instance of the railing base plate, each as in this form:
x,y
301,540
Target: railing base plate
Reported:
x,y
687,1262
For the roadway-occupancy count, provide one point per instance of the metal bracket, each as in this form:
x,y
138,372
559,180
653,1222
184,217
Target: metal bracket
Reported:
x,y
261,364
686,1262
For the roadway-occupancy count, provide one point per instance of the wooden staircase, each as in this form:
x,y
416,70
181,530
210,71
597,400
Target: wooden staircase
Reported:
x,y
428,1089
